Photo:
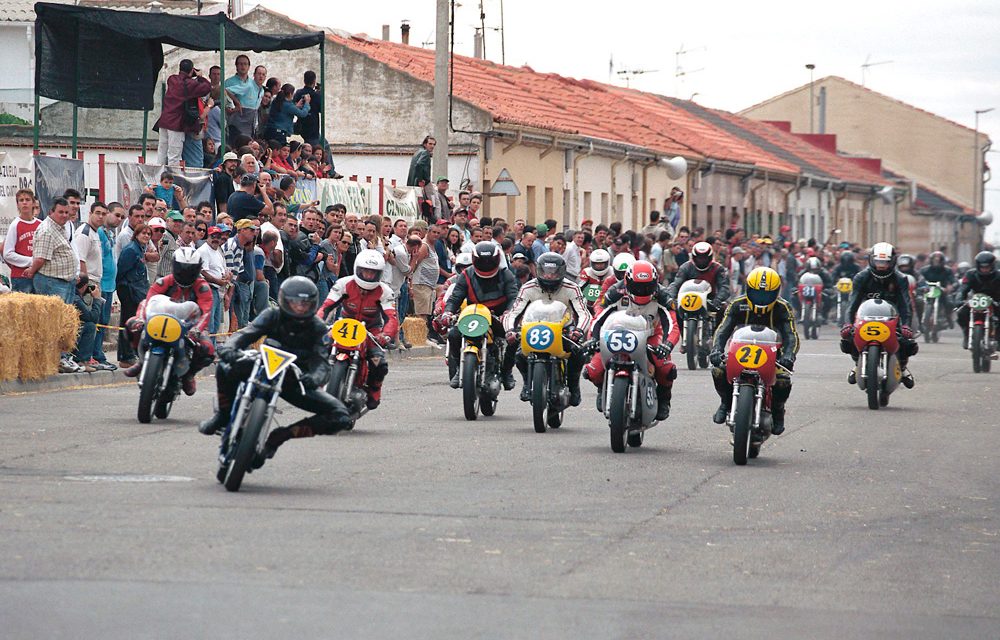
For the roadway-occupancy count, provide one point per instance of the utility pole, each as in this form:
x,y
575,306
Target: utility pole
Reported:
x,y
812,97
439,165
977,156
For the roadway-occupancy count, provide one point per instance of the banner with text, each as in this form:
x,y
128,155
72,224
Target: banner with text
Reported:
x,y
356,196
15,173
401,202
133,178
53,176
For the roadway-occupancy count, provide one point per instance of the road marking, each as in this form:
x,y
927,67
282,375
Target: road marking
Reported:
x,y
129,478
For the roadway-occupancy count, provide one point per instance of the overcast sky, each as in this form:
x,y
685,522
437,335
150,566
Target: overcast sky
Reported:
x,y
944,54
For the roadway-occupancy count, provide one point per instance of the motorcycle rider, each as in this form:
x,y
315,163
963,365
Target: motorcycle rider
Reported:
x,y
938,271
364,297
815,266
641,293
182,285
550,284
847,267
702,266
982,279
596,273
462,262
881,280
761,305
906,265
488,285
620,265
294,326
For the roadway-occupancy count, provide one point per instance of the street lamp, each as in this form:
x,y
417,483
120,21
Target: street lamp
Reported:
x,y
812,97
977,174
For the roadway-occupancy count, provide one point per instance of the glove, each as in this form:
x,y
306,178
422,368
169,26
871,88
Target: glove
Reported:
x,y
787,363
672,304
446,319
382,340
712,306
195,335
661,351
575,334
715,358
906,332
310,382
845,331
589,347
512,337
228,354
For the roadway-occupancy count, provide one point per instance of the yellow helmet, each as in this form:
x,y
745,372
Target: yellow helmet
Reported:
x,y
762,288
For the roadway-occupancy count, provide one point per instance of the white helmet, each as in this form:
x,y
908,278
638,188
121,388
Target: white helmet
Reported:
x,y
368,269
600,256
621,264
462,261
187,266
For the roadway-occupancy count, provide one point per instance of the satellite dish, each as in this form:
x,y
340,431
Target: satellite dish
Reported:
x,y
985,218
887,194
676,167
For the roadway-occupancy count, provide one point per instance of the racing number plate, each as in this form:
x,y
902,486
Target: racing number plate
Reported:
x,y
844,285
348,332
690,302
750,356
539,337
621,341
473,326
164,328
592,293
875,331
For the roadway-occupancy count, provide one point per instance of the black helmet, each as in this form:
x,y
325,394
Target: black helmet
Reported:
x,y
936,259
550,271
847,258
187,266
298,297
905,263
486,259
986,263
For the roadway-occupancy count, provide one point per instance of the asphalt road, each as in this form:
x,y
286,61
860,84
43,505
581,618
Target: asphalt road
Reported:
x,y
853,524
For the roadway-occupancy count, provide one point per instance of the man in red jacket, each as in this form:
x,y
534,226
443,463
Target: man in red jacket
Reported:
x,y
174,121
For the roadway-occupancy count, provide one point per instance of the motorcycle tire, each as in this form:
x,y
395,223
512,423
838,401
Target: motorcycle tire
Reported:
x,y
246,445
150,384
691,343
978,352
337,376
163,405
470,388
743,424
754,451
872,383
618,420
635,439
539,395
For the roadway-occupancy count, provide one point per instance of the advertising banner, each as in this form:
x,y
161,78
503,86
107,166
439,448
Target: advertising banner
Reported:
x,y
401,202
356,196
53,176
15,173
133,178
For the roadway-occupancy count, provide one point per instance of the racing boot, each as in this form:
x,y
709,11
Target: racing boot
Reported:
x,y
453,372
663,403
573,370
525,391
189,385
852,377
907,378
133,371
374,396
280,436
777,419
218,421
721,414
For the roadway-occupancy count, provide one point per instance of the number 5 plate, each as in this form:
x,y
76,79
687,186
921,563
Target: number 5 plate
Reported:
x,y
348,332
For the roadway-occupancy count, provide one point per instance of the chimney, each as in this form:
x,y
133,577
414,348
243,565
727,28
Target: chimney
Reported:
x,y
406,31
385,32
477,39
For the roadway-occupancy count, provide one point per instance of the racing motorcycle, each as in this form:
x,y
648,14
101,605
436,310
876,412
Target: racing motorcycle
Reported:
x,y
878,371
349,364
810,292
932,301
696,322
542,344
628,396
250,420
592,294
168,354
844,288
981,341
752,367
478,365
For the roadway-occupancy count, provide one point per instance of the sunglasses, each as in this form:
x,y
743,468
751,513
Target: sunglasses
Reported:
x,y
159,208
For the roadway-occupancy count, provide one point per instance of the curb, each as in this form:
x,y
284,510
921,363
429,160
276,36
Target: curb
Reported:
x,y
97,379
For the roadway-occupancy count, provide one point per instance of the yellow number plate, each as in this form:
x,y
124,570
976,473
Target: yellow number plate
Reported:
x,y
163,328
751,356
875,331
845,285
348,332
690,302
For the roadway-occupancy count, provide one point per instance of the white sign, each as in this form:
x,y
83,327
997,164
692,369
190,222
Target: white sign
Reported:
x,y
16,172
401,202
356,196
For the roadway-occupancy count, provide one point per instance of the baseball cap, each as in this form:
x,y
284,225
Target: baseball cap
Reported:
x,y
215,230
248,178
586,222
246,223
174,214
519,255
230,156
157,222
440,223
442,179
542,228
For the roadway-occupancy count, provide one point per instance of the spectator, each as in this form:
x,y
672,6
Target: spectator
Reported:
x,y
475,201
274,253
398,269
283,109
330,248
180,114
573,254
174,222
242,205
444,259
538,246
89,305
109,273
424,281
214,271
188,236
309,126
246,95
17,249
420,164
672,207
87,244
54,264
442,205
132,285
239,252
160,241
223,185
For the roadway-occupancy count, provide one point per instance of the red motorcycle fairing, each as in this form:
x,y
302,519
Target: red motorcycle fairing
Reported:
x,y
810,292
881,331
744,358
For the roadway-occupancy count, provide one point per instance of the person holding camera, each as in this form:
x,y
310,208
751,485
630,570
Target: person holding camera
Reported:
x,y
180,114
283,110
309,126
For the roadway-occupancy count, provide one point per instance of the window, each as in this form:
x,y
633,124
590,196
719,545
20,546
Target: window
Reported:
x,y
708,219
567,205
550,210
587,203
604,207
530,205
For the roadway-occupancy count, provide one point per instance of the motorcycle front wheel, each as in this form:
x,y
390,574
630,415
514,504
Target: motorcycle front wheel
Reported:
x,y
470,390
619,412
743,424
872,382
977,349
539,395
691,343
246,445
150,383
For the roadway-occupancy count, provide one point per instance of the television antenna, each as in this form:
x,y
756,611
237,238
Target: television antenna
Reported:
x,y
628,74
868,64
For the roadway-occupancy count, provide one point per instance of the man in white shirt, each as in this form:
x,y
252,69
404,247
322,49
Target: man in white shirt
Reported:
x,y
214,271
87,244
574,261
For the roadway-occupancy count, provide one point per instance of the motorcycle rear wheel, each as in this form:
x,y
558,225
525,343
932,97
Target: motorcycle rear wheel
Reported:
x,y
743,424
977,349
539,395
872,383
691,342
470,390
618,420
150,383
246,446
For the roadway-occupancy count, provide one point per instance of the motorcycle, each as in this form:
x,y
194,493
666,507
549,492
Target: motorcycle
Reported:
x,y
932,301
478,366
349,364
628,396
751,365
878,371
250,419
167,357
696,322
981,341
592,294
844,288
810,292
542,344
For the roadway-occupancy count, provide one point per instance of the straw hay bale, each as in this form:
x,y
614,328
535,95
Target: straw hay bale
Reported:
x,y
415,330
34,331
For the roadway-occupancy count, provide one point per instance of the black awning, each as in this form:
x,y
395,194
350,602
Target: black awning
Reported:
x,y
101,58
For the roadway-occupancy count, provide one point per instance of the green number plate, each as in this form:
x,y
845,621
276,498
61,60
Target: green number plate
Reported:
x,y
473,326
592,293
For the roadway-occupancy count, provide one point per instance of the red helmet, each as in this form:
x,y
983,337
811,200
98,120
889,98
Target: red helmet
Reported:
x,y
640,282
701,256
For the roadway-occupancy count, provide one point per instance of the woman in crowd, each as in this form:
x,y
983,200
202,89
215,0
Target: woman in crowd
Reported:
x,y
282,114
132,285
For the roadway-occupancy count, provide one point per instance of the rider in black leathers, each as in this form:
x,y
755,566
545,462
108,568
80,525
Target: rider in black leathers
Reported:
x,y
938,271
293,325
983,279
846,268
881,280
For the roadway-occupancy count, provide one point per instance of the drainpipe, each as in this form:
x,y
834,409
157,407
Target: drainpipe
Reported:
x,y
837,201
645,190
576,179
786,195
614,188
